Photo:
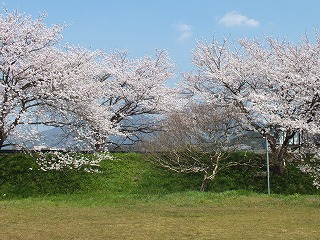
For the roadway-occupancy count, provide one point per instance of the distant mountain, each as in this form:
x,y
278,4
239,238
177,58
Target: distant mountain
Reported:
x,y
54,138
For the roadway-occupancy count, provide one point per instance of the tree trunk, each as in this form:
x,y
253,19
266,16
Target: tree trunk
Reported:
x,y
98,147
2,139
210,173
280,152
277,160
278,166
205,183
100,142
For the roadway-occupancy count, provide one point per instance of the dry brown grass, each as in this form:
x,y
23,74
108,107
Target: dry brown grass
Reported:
x,y
184,216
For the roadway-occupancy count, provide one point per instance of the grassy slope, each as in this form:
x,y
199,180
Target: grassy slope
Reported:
x,y
133,199
130,173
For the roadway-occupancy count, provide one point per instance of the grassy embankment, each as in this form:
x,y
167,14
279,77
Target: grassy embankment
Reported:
x,y
130,173
133,199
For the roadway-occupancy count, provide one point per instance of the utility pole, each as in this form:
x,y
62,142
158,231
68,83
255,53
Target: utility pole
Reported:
x,y
268,172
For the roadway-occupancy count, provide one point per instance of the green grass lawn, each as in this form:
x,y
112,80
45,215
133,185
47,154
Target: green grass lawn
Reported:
x,y
133,199
188,215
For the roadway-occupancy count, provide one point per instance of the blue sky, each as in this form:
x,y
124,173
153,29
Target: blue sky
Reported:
x,y
141,26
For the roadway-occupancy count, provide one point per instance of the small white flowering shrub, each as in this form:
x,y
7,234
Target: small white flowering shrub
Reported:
x,y
61,161
314,170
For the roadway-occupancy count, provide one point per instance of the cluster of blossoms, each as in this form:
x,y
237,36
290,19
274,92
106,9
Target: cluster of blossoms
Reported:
x,y
314,171
61,161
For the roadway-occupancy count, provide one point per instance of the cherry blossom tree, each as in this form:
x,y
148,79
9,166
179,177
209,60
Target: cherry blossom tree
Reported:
x,y
44,84
136,93
132,96
88,94
274,84
75,102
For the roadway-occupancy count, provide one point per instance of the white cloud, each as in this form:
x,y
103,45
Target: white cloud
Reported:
x,y
231,19
185,31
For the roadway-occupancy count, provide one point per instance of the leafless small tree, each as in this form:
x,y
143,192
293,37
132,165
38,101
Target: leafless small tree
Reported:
x,y
197,139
